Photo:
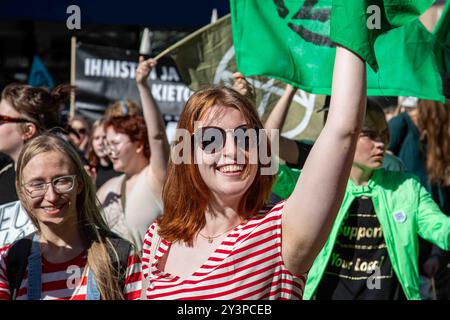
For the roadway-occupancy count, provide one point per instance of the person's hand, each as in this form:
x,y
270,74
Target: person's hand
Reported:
x,y
242,86
92,172
143,69
431,266
290,89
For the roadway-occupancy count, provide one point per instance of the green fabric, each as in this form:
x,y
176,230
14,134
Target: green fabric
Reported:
x,y
287,176
286,180
392,192
350,27
206,57
292,43
392,163
201,52
442,33
408,64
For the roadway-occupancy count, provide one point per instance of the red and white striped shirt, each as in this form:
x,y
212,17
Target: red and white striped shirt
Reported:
x,y
247,265
66,281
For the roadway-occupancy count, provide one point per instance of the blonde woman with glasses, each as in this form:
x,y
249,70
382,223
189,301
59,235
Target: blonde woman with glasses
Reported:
x,y
73,255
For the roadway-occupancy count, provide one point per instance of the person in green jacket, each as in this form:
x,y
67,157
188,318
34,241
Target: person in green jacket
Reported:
x,y
372,250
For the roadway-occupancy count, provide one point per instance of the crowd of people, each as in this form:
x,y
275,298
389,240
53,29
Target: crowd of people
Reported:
x,y
106,210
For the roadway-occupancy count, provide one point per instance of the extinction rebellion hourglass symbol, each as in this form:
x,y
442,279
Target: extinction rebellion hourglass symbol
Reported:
x,y
306,12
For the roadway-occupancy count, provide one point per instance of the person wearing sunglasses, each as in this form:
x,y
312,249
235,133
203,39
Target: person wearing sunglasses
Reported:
x,y
79,133
25,111
73,255
216,238
137,147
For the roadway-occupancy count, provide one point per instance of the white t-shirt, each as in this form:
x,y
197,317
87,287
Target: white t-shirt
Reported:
x,y
142,207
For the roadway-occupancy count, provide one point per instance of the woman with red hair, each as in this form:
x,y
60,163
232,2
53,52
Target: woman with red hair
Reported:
x,y
216,239
138,147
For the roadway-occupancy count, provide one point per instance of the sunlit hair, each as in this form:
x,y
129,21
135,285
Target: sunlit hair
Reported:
x,y
119,108
185,195
134,127
90,222
433,122
39,105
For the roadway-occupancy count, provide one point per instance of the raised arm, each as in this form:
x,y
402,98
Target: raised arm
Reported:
x,y
159,145
310,211
288,148
277,116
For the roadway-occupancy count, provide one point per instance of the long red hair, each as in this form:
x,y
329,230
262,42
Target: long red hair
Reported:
x,y
185,195
433,122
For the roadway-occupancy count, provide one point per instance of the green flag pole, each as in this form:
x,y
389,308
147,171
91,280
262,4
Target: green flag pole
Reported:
x,y
189,37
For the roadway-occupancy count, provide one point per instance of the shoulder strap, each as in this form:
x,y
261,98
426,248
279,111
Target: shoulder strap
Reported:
x,y
123,192
17,262
156,240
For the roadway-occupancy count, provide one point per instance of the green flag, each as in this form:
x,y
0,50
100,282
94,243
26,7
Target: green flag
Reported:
x,y
357,24
442,50
207,57
293,41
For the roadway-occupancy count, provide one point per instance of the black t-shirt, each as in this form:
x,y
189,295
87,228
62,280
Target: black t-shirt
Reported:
x,y
359,267
7,184
304,148
104,174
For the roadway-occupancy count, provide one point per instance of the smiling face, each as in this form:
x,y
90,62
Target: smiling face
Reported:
x,y
51,209
221,171
121,150
372,142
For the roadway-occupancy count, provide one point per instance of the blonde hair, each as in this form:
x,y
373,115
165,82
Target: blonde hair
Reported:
x,y
90,221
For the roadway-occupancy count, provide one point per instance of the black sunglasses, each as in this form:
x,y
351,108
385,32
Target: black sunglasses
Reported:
x,y
8,119
81,130
212,139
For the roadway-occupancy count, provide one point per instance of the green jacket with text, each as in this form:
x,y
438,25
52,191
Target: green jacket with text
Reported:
x,y
405,210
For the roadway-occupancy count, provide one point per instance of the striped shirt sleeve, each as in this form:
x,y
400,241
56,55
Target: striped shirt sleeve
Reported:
x,y
133,278
4,284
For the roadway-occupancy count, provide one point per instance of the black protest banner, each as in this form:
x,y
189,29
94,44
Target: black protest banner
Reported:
x,y
105,75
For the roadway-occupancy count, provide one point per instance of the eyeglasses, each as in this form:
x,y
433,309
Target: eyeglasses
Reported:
x,y
60,185
8,119
212,139
113,146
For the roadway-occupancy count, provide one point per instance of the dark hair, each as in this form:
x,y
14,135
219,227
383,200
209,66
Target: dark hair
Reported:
x,y
134,127
39,105
371,106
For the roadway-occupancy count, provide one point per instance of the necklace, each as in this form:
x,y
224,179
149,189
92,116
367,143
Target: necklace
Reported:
x,y
211,238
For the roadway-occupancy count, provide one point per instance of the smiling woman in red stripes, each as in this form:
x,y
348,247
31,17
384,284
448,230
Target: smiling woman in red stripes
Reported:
x,y
73,254
216,239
